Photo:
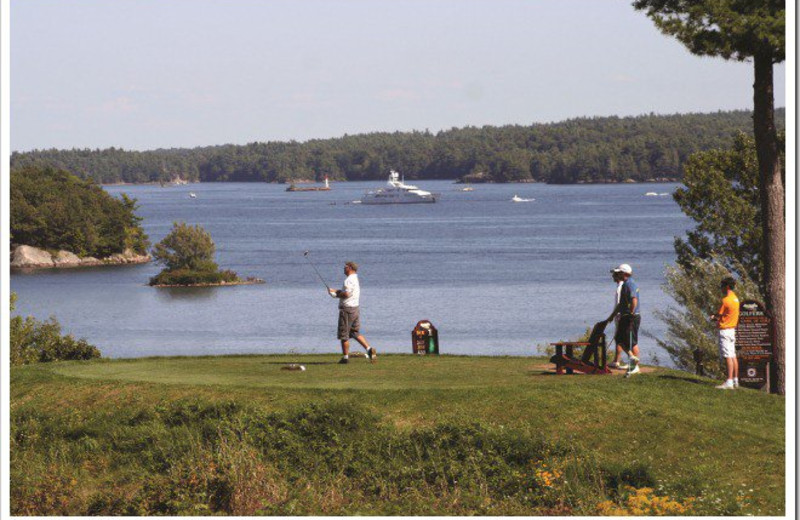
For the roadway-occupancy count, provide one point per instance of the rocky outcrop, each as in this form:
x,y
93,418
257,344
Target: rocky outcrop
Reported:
x,y
27,257
476,178
66,259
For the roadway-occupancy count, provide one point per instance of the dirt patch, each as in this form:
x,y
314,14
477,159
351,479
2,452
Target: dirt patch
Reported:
x,y
550,369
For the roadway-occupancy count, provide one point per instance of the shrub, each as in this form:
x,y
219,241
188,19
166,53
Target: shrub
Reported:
x,y
696,290
34,341
186,247
190,277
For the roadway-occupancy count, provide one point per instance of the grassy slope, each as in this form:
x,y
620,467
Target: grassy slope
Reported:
x,y
677,425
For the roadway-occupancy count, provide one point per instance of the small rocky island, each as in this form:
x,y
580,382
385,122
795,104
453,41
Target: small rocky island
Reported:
x,y
187,254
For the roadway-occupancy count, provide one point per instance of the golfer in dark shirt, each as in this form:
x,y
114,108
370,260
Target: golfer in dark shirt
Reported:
x,y
629,308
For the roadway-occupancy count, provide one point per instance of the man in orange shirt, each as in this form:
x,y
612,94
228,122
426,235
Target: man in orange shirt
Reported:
x,y
727,318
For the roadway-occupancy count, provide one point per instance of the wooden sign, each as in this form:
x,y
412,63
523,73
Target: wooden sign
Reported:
x,y
754,344
754,332
754,374
425,338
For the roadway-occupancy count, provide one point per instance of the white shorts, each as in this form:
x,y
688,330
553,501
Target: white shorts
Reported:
x,y
727,343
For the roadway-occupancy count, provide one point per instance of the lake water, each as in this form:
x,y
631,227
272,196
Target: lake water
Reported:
x,y
495,277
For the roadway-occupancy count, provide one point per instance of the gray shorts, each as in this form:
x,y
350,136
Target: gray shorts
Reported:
x,y
348,323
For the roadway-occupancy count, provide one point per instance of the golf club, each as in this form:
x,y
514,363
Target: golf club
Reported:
x,y
305,254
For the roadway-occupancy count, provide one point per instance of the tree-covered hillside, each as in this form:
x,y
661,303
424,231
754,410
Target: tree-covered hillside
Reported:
x,y
51,209
598,149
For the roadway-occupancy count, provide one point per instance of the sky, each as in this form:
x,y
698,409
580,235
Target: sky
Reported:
x,y
146,74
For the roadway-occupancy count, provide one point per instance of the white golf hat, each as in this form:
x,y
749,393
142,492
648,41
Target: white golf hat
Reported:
x,y
623,268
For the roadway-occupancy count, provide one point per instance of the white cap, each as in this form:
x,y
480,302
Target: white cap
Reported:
x,y
623,268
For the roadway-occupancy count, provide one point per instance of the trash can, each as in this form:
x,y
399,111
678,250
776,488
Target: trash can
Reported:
x,y
425,338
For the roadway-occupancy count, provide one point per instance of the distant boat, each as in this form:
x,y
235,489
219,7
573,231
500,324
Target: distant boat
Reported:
x,y
192,195
327,187
651,194
467,188
398,193
517,198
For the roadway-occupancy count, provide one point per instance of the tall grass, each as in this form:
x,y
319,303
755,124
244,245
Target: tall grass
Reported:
x,y
190,457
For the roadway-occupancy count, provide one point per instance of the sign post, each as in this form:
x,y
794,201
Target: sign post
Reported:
x,y
754,345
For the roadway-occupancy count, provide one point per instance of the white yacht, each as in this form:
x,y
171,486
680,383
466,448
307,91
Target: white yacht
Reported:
x,y
397,192
517,198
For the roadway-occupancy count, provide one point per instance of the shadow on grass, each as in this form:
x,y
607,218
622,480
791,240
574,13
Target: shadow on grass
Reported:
x,y
685,379
300,363
540,372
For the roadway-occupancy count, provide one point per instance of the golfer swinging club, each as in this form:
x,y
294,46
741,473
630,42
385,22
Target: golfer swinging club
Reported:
x,y
348,314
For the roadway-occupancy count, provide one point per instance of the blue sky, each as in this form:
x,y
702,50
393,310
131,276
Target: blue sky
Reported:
x,y
145,74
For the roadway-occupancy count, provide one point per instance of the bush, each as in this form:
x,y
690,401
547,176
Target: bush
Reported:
x,y
695,288
186,247
34,341
190,277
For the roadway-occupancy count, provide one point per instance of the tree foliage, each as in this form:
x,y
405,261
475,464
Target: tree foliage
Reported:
x,y
695,288
187,254
34,341
52,209
721,194
731,29
186,247
577,150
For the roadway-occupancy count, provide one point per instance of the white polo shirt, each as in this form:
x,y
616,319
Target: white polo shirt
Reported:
x,y
353,288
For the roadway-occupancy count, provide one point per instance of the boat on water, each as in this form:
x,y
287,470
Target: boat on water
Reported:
x,y
192,195
398,192
651,194
517,198
327,187
467,188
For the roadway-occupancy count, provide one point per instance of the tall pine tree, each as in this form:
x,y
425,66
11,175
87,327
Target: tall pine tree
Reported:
x,y
743,30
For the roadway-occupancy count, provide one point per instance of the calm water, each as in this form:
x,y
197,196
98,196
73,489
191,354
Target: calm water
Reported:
x,y
495,277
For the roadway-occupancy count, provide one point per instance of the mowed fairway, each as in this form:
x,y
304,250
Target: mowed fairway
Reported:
x,y
692,438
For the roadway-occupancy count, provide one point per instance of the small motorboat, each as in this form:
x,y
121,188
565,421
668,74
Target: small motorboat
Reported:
x,y
192,195
517,198
651,194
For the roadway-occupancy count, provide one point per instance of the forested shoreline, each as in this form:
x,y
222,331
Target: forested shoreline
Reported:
x,y
600,149
54,210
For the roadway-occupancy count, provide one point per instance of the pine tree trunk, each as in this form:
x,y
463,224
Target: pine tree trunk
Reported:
x,y
772,209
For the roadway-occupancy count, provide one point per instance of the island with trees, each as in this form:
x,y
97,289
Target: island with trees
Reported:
x,y
583,150
187,254
59,220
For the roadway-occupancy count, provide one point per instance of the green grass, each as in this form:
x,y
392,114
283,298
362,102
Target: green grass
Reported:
x,y
409,435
